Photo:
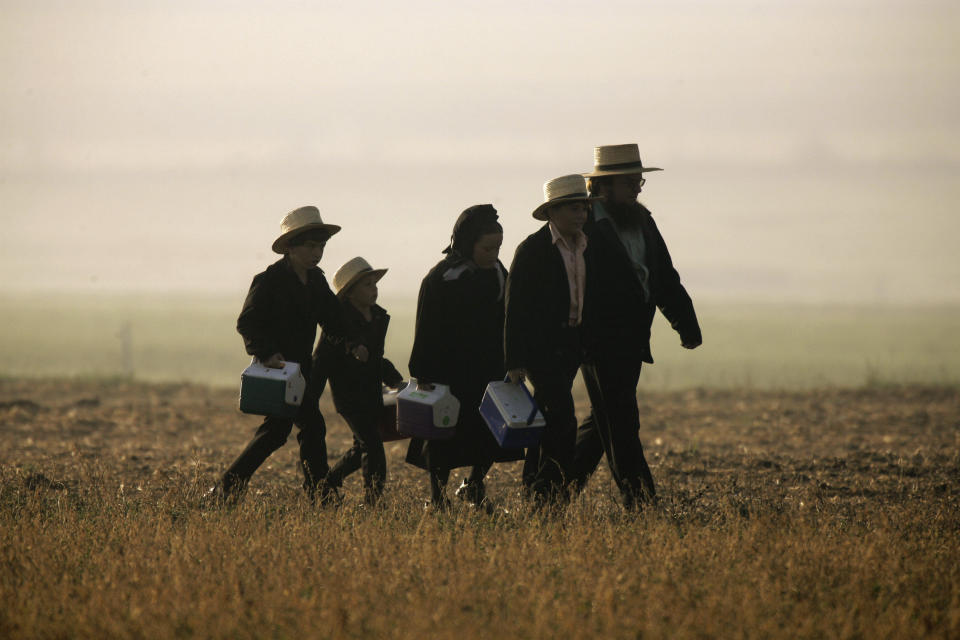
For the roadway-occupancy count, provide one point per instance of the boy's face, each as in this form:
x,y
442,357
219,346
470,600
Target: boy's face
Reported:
x,y
364,292
487,250
308,254
569,217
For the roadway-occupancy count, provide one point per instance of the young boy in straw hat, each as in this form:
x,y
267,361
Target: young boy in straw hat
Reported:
x,y
356,377
544,323
278,323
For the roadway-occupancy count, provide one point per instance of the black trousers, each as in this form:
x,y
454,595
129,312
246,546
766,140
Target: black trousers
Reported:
x,y
552,390
367,453
614,429
273,433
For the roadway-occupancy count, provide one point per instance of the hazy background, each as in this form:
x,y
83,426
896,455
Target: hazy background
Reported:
x,y
811,150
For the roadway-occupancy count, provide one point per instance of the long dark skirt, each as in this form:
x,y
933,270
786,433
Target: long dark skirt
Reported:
x,y
472,443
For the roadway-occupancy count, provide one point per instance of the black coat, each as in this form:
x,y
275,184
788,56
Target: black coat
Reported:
x,y
281,314
459,329
620,312
538,303
458,342
357,386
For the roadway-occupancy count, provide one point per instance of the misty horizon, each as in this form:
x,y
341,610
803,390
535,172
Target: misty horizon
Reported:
x,y
811,150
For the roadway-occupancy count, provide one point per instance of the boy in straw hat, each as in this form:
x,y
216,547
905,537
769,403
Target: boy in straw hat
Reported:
x,y
635,276
544,322
356,378
278,323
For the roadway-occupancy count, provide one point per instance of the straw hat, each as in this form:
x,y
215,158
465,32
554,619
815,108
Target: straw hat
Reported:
x,y
571,188
350,272
616,160
298,221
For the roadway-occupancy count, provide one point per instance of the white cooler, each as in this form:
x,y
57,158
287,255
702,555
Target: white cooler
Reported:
x,y
272,392
430,415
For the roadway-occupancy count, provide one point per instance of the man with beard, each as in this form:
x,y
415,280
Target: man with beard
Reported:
x,y
635,276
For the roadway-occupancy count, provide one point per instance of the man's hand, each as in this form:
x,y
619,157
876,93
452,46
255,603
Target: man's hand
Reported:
x,y
691,344
360,353
275,361
425,386
517,375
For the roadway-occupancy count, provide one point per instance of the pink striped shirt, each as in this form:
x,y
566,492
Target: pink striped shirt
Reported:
x,y
576,270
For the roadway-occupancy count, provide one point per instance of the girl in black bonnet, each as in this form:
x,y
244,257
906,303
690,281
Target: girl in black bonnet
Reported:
x,y
459,342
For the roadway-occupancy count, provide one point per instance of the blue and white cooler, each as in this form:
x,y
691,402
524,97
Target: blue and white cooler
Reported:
x,y
512,415
272,392
430,415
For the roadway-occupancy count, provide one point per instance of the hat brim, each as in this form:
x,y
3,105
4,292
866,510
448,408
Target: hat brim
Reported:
x,y
540,213
280,244
352,281
620,171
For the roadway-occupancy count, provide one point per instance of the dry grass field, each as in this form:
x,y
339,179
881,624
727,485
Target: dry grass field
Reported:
x,y
825,513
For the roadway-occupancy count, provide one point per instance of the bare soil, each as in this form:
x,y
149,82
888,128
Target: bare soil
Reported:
x,y
840,445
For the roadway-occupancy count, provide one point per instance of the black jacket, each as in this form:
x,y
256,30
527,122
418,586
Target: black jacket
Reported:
x,y
281,314
538,303
356,385
621,313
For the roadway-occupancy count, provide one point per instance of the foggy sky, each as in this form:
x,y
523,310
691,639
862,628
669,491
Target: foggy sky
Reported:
x,y
811,149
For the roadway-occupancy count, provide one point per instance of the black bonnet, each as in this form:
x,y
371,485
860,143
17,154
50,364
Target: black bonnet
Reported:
x,y
474,222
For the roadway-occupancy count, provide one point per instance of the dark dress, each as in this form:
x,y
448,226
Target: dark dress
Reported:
x,y
459,342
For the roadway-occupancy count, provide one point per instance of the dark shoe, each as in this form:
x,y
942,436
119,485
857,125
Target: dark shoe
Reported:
x,y
441,505
217,497
549,499
328,496
324,492
472,492
638,499
372,496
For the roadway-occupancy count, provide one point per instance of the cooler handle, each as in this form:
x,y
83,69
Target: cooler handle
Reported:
x,y
522,385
